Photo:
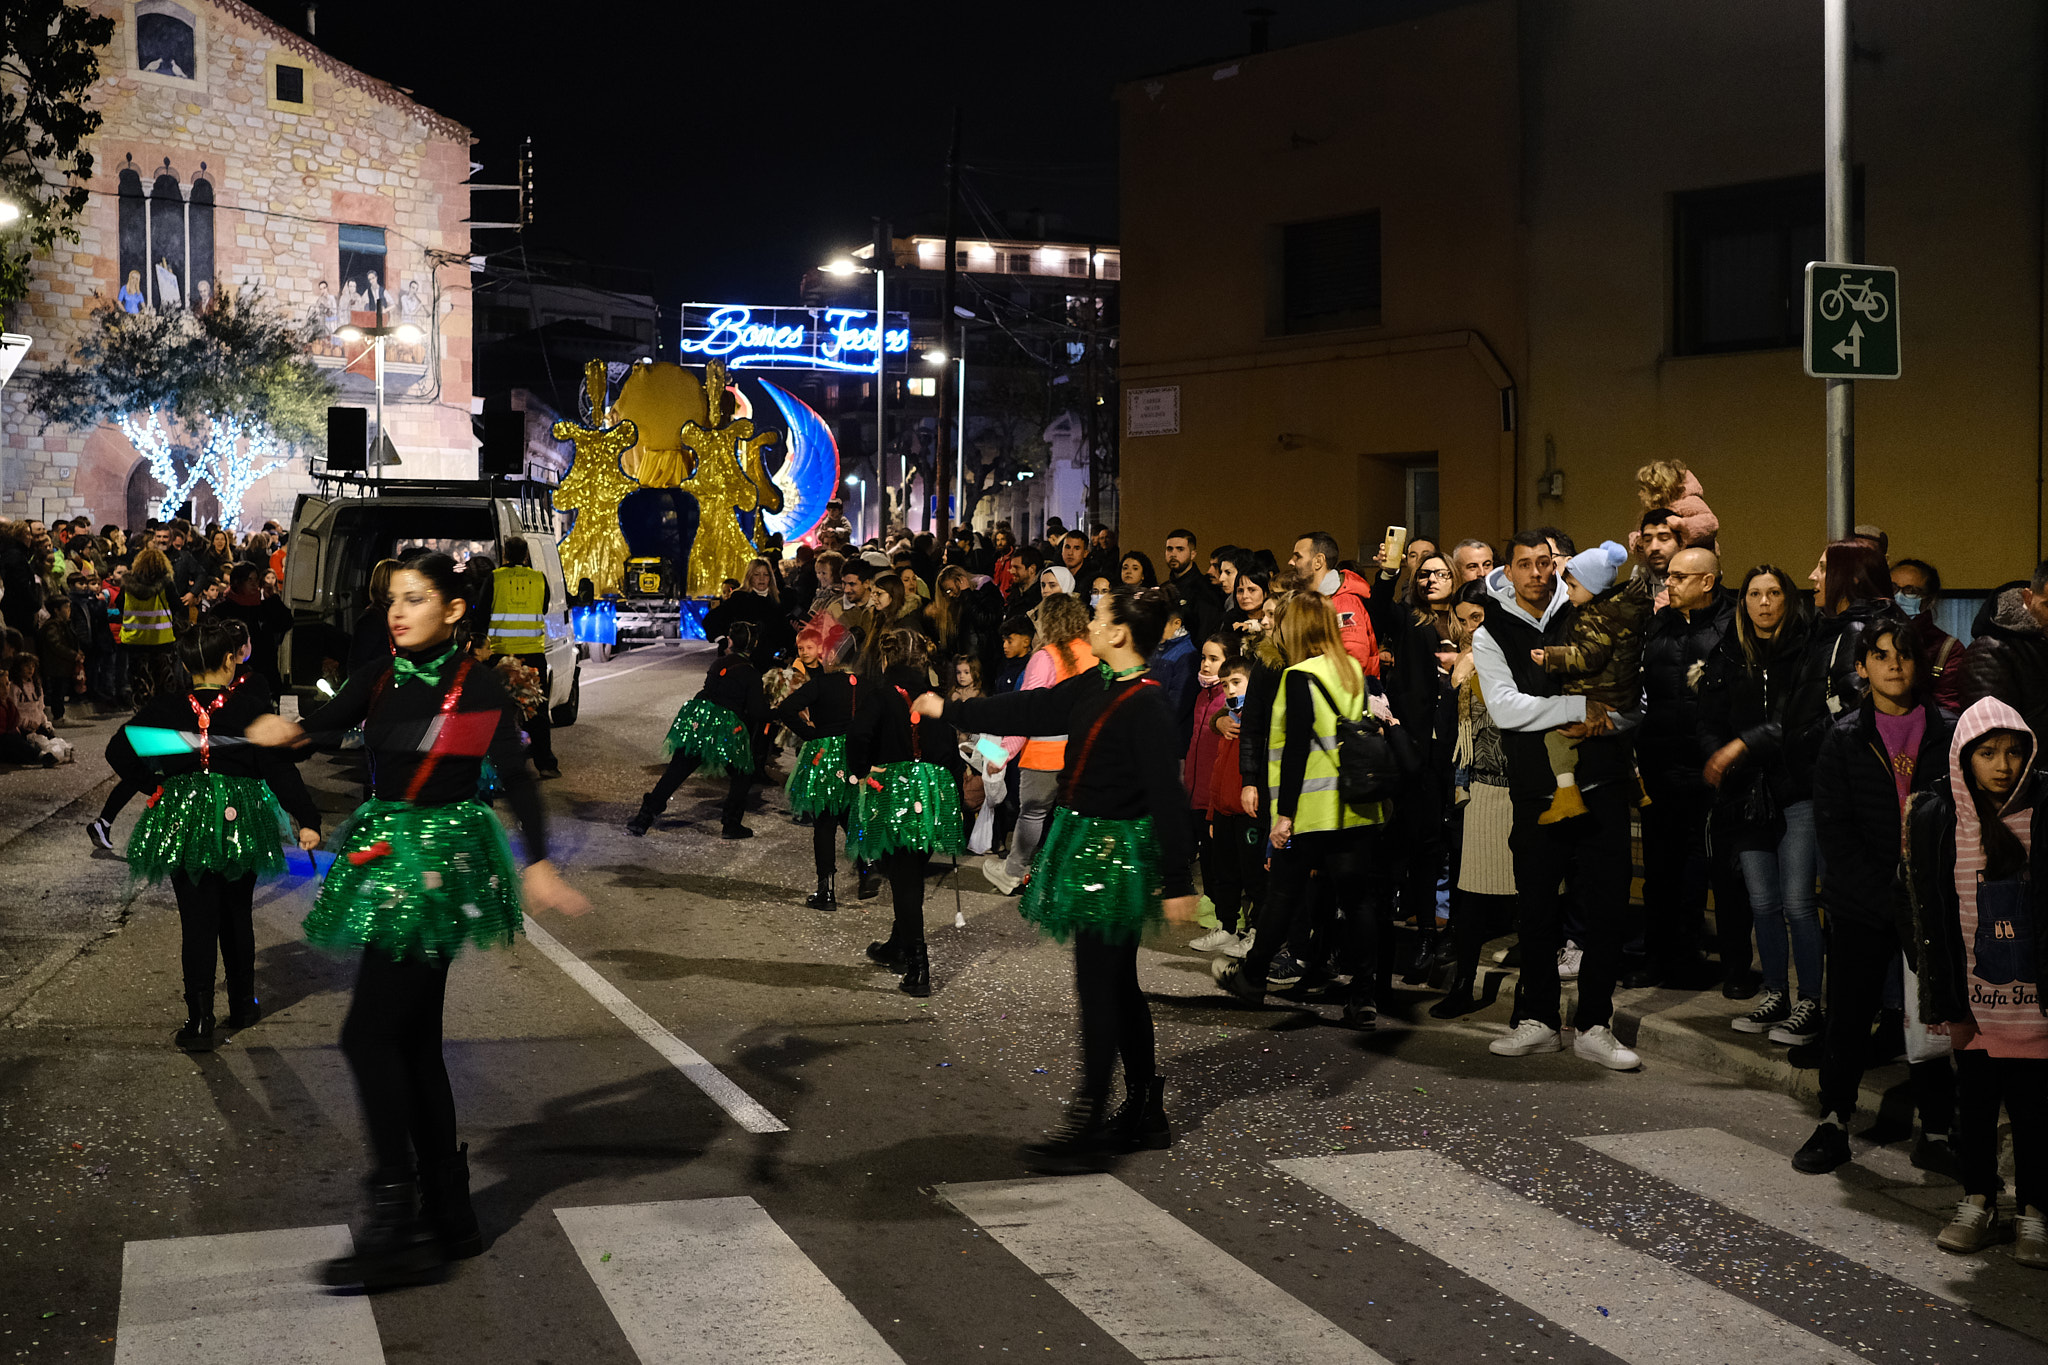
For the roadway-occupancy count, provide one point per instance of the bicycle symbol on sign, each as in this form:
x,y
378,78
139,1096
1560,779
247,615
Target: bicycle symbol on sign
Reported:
x,y
1863,298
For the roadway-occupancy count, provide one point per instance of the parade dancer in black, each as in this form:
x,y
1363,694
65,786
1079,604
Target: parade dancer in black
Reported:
x,y
907,804
1106,870
214,826
820,713
423,870
714,731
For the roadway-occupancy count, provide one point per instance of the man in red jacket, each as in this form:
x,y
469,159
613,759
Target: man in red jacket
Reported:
x,y
1314,567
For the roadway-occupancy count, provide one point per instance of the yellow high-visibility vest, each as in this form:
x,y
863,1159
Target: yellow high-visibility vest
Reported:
x,y
146,620
519,598
1319,807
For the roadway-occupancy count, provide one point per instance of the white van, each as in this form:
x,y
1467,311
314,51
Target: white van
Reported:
x,y
336,541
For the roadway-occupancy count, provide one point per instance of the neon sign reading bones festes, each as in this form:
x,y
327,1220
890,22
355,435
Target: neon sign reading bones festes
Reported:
x,y
787,338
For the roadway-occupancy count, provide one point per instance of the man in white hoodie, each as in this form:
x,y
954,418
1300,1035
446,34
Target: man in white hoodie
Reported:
x,y
1529,611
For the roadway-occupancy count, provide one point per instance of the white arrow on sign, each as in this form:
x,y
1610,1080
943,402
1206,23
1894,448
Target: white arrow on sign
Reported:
x,y
1851,350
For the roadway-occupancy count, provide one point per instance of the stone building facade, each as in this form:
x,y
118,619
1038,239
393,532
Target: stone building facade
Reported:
x,y
235,152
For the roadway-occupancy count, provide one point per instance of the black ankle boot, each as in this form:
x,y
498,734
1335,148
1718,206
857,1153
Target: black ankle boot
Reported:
x,y
444,1205
870,883
826,897
1083,1142
644,820
245,1012
917,970
1424,962
394,1246
1141,1124
1458,1001
197,1035
887,952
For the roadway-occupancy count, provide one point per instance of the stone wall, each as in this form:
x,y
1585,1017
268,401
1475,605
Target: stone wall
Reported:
x,y
300,192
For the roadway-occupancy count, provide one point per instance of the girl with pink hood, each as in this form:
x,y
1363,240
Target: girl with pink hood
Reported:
x,y
1974,875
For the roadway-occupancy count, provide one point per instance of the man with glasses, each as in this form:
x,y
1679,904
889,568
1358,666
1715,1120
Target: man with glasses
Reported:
x,y
1676,861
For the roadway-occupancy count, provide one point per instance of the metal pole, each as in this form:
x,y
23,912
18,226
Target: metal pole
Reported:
x,y
377,449
1841,393
960,434
881,381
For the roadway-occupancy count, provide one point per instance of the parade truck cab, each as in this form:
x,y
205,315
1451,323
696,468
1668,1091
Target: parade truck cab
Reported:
x,y
337,538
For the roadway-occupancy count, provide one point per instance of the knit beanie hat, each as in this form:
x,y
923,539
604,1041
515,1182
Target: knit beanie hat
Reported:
x,y
1594,569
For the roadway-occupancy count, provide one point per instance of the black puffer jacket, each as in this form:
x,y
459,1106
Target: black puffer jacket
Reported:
x,y
2008,658
1668,744
1776,706
1856,812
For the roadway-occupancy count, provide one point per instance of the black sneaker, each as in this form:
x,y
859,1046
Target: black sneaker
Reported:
x,y
1802,1025
1741,986
101,832
1283,971
1825,1150
1772,1010
1933,1154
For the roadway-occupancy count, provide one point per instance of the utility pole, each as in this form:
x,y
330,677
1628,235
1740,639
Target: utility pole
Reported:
x,y
885,260
948,487
1089,424
1841,393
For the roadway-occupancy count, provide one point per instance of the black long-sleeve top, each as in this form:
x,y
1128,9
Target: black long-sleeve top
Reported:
x,y
822,707
173,711
735,684
399,731
1131,769
882,731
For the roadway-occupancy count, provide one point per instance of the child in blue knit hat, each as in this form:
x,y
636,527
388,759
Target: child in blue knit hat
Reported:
x,y
1601,658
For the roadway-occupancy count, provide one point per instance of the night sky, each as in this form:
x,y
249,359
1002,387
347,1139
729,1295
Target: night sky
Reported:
x,y
727,147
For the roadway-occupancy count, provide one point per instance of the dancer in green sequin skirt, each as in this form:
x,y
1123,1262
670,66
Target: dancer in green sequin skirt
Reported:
x,y
214,828
821,784
714,732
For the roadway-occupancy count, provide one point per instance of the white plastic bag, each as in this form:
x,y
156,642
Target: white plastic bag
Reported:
x,y
982,837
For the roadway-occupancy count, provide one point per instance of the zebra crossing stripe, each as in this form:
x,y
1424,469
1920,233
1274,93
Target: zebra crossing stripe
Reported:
x,y
747,1111
716,1282
246,1298
1161,1289
1632,1306
1860,1224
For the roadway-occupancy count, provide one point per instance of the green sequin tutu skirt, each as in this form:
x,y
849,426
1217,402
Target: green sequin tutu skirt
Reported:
x,y
418,881
1096,874
818,785
205,822
714,736
916,807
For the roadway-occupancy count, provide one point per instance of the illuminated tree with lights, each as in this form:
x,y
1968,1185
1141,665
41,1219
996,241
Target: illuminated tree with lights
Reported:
x,y
222,395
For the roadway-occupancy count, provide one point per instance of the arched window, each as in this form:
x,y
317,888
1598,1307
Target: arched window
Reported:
x,y
169,270
166,40
199,237
131,291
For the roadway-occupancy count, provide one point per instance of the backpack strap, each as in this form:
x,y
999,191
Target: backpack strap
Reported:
x,y
1095,733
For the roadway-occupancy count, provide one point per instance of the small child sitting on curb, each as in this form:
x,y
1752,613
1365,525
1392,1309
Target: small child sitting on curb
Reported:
x,y
1601,659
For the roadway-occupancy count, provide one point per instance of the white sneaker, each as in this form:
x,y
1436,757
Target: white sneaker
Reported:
x,y
1972,1228
1239,947
1531,1035
1598,1044
102,834
1215,941
1568,959
993,869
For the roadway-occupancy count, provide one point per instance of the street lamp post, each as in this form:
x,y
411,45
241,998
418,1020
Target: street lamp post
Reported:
x,y
849,266
377,336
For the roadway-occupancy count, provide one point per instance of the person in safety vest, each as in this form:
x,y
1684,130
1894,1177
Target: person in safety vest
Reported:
x,y
519,606
147,633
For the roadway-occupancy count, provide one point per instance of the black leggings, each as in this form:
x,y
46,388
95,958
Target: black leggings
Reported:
x,y
681,765
392,1040
824,834
124,791
2020,1084
214,911
1341,856
1233,868
905,870
1115,1019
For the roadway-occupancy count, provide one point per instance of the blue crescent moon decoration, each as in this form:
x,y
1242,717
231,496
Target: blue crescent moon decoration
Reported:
x,y
810,473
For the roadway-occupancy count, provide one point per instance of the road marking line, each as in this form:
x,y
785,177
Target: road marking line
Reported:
x,y
1863,1225
607,677
247,1298
716,1282
744,1108
1660,1315
1161,1289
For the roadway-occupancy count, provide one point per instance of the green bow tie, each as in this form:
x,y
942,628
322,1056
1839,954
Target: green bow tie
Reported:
x,y
1110,675
429,671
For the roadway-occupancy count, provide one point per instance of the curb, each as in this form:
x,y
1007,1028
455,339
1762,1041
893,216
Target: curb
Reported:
x,y
1682,1032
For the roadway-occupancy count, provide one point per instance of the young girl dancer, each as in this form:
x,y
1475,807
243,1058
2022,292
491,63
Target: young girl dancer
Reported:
x,y
423,870
714,731
1105,870
820,713
907,806
214,825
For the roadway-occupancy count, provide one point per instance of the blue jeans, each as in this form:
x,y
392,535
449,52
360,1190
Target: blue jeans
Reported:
x,y
1780,883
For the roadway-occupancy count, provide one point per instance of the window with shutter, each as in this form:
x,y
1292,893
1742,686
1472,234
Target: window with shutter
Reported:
x,y
1330,273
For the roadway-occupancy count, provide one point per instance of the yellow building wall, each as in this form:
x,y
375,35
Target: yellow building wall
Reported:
x,y
1280,434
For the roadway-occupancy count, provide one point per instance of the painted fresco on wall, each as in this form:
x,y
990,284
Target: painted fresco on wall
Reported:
x,y
165,233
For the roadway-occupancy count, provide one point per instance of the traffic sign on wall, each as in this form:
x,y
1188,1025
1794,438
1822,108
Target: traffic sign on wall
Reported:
x,y
1852,321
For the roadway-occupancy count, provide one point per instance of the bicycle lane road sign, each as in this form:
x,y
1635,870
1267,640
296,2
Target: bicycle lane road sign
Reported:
x,y
1852,321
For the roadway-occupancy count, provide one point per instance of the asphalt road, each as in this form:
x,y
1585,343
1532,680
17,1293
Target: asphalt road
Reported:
x,y
1330,1196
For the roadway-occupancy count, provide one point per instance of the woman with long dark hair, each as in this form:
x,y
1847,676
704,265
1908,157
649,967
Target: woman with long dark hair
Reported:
x,y
1135,570
423,870
715,731
214,828
907,804
1764,709
1106,870
1419,688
